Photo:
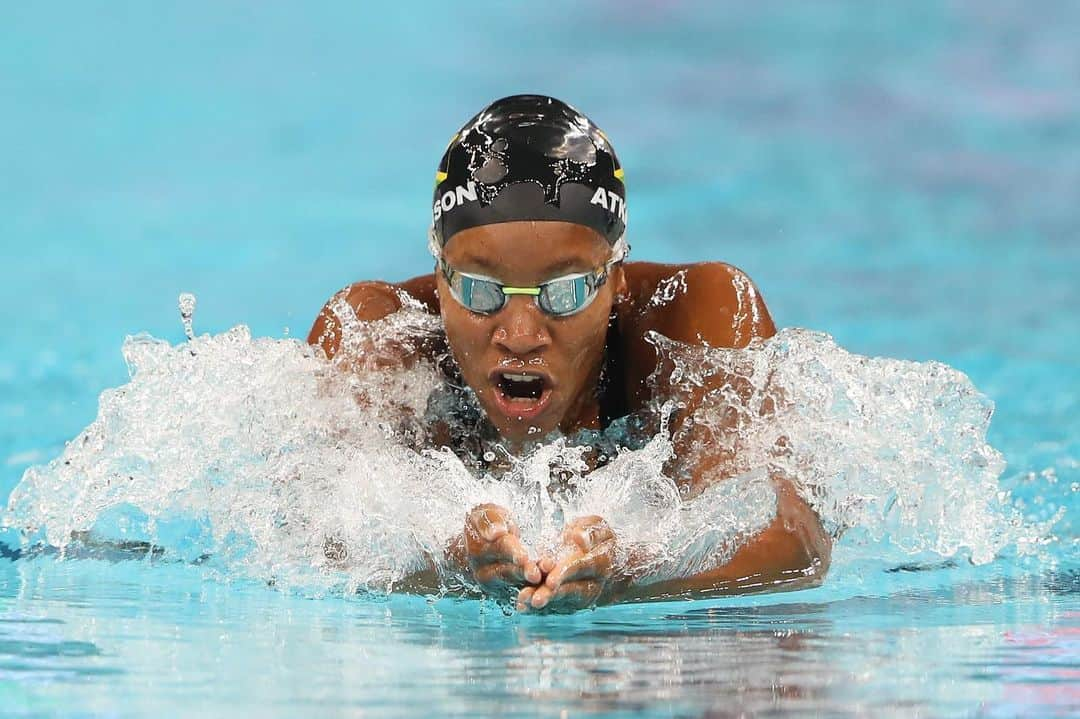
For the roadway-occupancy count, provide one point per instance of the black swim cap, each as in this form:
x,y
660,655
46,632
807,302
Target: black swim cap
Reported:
x,y
529,157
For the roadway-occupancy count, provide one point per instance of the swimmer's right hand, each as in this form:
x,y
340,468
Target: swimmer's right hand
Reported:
x,y
494,552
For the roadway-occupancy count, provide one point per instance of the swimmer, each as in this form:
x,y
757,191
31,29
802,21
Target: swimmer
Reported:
x,y
546,321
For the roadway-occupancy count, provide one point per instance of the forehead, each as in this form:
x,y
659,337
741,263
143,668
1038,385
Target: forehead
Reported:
x,y
527,247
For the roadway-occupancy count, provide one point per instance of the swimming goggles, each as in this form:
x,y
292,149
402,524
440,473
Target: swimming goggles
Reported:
x,y
560,297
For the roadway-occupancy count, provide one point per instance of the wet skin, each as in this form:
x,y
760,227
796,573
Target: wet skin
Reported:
x,y
565,352
707,303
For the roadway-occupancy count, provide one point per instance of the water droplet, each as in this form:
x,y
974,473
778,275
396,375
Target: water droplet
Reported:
x,y
274,395
186,303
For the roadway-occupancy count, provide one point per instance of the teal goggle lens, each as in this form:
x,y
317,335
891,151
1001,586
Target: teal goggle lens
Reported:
x,y
560,297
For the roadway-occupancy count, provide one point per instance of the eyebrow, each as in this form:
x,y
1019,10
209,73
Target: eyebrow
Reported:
x,y
560,266
480,262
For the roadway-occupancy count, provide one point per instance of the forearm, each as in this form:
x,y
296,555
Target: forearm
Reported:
x,y
793,552
431,578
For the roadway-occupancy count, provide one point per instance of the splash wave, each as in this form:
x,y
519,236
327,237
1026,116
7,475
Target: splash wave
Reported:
x,y
264,459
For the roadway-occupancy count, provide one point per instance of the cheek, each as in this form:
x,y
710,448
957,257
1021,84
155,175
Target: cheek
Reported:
x,y
466,336
583,340
584,353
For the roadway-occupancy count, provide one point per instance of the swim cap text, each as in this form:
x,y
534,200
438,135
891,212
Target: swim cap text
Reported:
x,y
610,202
452,198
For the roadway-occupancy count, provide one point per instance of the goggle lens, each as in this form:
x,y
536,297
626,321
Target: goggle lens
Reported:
x,y
559,297
563,297
484,296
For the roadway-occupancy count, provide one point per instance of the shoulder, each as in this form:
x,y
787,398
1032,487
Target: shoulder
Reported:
x,y
712,303
368,301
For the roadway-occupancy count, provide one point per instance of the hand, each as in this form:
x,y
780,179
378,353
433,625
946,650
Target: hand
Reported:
x,y
494,552
579,573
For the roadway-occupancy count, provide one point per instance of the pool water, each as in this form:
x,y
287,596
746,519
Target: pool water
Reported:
x,y
901,177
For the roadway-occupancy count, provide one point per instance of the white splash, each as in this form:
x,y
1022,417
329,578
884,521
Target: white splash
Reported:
x,y
186,304
886,451
266,460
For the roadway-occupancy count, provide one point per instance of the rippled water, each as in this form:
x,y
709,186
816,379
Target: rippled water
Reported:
x,y
901,177
999,643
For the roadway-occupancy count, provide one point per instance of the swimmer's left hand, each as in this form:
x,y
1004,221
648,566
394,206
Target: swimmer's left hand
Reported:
x,y
579,574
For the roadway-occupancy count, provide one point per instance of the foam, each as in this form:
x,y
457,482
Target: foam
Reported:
x,y
262,459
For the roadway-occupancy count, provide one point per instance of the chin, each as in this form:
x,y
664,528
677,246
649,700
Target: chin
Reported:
x,y
522,432
525,429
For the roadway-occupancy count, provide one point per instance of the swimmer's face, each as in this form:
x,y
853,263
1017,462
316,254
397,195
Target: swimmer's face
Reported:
x,y
561,356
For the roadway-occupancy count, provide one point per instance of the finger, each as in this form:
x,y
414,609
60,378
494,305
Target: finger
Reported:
x,y
513,547
532,573
490,522
556,565
574,595
547,563
499,573
507,548
541,596
510,552
587,532
596,563
507,553
524,597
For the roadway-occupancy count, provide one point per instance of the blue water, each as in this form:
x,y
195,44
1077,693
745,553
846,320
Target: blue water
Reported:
x,y
901,176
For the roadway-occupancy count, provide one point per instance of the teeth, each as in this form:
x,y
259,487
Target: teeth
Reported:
x,y
520,377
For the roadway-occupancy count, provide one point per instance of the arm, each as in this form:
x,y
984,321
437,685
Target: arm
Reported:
x,y
489,550
792,552
368,302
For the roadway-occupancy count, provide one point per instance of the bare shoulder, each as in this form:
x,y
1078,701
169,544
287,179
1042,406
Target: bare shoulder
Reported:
x,y
710,303
367,301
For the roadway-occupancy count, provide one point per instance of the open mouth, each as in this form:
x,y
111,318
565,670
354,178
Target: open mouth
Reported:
x,y
521,395
521,386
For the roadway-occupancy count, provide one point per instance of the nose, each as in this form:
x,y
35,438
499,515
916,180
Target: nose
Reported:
x,y
521,328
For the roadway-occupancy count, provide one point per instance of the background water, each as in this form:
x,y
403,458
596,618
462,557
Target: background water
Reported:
x,y
902,176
